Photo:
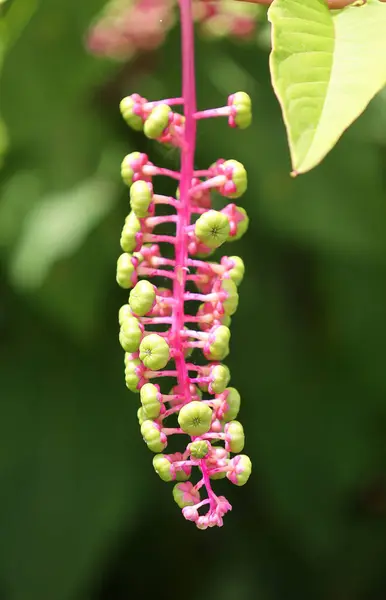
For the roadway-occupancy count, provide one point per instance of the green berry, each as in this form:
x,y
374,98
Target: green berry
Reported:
x,y
195,418
235,437
220,376
142,298
242,103
239,177
236,273
140,198
185,494
127,171
199,449
131,377
129,232
152,436
126,107
130,334
150,399
125,271
212,228
154,352
233,404
231,303
163,467
157,121
219,347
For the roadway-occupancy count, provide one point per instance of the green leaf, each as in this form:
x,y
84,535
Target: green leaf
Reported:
x,y
326,67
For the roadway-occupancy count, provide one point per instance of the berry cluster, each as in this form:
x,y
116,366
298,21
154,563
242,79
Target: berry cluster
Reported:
x,y
157,333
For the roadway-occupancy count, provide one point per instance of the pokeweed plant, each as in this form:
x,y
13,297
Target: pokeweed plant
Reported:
x,y
157,332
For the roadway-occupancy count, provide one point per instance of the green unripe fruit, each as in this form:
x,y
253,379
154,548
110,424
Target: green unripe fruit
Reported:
x,y
220,376
131,377
150,399
239,177
157,121
142,298
152,436
125,271
163,467
140,198
126,107
233,402
127,171
185,494
199,449
243,470
212,228
154,352
235,437
242,103
129,232
236,273
231,303
219,348
142,416
130,335
195,418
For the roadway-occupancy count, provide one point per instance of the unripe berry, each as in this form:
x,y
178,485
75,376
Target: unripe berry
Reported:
x,y
130,334
126,274
150,399
163,467
154,352
140,198
157,121
156,441
185,494
242,104
132,378
199,449
129,233
142,298
218,346
126,107
195,418
236,273
232,403
235,437
212,228
241,468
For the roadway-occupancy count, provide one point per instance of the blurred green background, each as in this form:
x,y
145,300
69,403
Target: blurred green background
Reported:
x,y
83,516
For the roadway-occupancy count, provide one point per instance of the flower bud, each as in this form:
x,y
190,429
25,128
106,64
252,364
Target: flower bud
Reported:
x,y
156,441
140,198
195,418
132,378
199,449
241,468
218,345
126,273
142,298
234,437
232,404
164,467
157,121
154,352
150,399
212,228
130,334
242,114
129,233
185,494
126,107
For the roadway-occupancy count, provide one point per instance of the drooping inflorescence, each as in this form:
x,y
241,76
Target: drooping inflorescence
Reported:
x,y
159,336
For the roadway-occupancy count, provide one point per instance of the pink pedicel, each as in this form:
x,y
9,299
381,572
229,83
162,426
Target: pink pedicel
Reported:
x,y
160,333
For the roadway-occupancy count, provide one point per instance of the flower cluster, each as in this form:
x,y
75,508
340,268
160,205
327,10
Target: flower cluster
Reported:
x,y
129,26
157,333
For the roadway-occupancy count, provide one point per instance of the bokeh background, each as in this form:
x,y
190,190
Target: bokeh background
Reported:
x,y
83,516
